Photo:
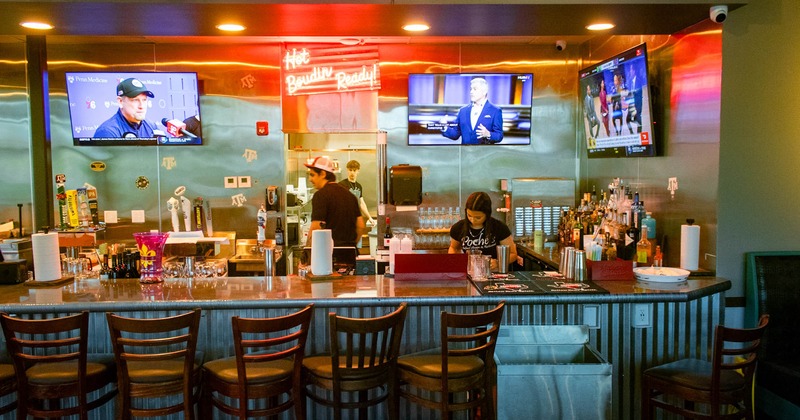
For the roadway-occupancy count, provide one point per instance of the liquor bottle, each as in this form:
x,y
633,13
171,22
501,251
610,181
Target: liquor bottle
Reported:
x,y
126,265
105,271
577,233
387,233
593,196
650,222
644,256
626,247
658,258
133,272
114,268
279,236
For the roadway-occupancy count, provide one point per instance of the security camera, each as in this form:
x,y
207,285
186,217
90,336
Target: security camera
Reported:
x,y
718,13
561,45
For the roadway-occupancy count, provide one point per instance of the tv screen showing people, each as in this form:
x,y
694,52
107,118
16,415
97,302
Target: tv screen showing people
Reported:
x,y
134,108
616,111
469,109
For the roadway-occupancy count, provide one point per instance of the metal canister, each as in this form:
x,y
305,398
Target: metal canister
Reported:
x,y
580,266
269,262
569,265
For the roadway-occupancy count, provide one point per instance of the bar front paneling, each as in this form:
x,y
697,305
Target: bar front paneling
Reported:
x,y
682,321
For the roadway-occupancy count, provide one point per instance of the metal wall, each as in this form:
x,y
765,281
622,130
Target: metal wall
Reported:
x,y
15,133
241,84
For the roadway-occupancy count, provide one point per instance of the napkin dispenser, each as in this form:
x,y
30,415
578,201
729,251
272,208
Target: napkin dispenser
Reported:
x,y
405,185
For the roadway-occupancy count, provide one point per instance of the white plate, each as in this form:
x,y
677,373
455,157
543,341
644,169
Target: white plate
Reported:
x,y
661,274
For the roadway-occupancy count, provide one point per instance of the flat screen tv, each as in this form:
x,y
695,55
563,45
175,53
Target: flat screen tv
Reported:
x,y
440,109
164,108
616,111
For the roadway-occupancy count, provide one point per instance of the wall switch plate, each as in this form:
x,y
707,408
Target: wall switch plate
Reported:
x,y
245,182
641,315
110,216
137,216
231,182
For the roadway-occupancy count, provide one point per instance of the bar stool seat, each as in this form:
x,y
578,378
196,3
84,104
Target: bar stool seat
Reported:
x,y
430,365
226,370
54,373
696,374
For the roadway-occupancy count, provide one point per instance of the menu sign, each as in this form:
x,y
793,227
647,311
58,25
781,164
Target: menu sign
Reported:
x,y
308,71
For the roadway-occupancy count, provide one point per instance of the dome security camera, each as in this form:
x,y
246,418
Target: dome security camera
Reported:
x,y
718,13
561,45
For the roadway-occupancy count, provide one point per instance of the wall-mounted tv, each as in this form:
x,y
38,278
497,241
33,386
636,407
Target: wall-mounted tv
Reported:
x,y
126,108
616,109
470,109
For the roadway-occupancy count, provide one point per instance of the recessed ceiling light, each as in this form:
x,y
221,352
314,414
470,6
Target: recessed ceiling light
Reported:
x,y
36,25
600,26
230,27
416,27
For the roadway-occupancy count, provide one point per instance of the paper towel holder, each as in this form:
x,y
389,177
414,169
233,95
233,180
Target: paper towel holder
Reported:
x,y
690,221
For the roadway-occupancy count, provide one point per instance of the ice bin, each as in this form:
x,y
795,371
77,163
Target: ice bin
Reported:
x,y
550,372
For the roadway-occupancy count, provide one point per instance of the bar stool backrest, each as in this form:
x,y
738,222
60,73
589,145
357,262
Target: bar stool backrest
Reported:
x,y
152,341
57,347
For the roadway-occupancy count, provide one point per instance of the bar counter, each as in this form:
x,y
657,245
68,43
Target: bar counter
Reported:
x,y
682,317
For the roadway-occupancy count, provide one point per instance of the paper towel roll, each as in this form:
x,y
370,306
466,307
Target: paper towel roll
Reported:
x,y
321,252
690,246
46,256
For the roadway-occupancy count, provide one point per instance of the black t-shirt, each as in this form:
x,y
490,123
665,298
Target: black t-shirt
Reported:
x,y
478,238
353,187
338,208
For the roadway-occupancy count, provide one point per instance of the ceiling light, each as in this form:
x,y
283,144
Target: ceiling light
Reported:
x,y
600,26
230,27
416,27
36,25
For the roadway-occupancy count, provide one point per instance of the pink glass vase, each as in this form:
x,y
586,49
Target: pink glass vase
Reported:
x,y
151,251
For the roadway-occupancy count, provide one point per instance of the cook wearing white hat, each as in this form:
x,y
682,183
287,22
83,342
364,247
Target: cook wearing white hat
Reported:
x,y
332,206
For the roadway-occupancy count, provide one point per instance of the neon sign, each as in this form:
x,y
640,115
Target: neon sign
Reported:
x,y
308,71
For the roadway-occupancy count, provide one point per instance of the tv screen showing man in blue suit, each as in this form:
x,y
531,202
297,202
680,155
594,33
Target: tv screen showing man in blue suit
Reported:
x,y
480,122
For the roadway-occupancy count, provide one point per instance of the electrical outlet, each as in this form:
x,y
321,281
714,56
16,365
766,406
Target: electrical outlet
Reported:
x,y
641,315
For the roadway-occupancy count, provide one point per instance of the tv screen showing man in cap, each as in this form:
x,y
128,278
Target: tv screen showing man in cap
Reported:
x,y
149,108
129,121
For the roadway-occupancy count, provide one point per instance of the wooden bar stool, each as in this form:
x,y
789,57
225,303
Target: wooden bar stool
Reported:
x,y
268,364
725,381
156,359
463,365
52,365
8,385
363,361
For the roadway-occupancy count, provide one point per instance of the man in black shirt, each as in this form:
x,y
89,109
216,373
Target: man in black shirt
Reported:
x,y
332,206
